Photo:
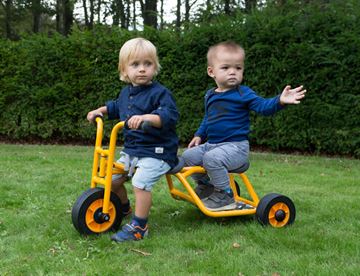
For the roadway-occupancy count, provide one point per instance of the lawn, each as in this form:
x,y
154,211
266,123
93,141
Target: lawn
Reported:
x,y
40,183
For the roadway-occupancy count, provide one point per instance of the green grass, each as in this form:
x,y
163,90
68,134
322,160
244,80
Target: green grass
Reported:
x,y
39,185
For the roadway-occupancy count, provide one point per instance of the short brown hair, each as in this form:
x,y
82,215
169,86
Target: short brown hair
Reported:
x,y
228,45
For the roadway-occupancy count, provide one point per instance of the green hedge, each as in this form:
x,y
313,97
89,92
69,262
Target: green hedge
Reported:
x,y
48,84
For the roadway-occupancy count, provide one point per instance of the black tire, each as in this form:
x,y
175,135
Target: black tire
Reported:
x,y
88,208
276,210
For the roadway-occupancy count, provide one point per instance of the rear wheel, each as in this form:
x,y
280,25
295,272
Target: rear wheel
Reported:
x,y
276,210
87,215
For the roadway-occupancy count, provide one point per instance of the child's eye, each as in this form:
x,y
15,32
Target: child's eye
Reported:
x,y
239,68
224,67
134,64
148,63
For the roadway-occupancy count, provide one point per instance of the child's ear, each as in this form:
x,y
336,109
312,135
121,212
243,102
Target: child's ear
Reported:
x,y
210,71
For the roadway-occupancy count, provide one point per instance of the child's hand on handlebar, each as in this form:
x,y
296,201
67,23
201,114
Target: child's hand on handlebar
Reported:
x,y
93,114
135,121
194,142
100,112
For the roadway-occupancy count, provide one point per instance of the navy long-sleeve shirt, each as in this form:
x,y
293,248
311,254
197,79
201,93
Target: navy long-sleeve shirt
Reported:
x,y
227,114
160,143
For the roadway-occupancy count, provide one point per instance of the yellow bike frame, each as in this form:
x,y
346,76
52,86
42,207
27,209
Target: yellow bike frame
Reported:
x,y
104,166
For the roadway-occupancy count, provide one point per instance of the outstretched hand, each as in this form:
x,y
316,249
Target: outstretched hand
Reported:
x,y
292,96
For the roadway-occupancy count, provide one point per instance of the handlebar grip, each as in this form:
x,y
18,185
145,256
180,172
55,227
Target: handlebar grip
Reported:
x,y
144,126
98,116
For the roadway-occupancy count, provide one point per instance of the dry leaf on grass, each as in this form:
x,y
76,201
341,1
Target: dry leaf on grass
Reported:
x,y
140,252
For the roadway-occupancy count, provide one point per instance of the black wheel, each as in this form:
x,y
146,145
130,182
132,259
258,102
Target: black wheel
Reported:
x,y
275,210
87,215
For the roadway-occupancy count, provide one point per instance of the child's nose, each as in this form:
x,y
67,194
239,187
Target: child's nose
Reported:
x,y
232,71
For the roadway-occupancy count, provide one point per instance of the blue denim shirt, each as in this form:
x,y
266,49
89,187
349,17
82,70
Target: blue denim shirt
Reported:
x,y
160,143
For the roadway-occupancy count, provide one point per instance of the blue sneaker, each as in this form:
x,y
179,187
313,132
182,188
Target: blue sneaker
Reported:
x,y
130,232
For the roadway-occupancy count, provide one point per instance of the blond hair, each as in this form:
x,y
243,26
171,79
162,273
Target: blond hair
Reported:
x,y
226,45
134,48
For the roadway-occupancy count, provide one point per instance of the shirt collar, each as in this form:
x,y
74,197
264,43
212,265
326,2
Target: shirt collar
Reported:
x,y
140,88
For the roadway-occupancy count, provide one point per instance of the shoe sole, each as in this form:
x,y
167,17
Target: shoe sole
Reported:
x,y
231,206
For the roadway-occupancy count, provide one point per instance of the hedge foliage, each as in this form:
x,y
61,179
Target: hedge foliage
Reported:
x,y
48,84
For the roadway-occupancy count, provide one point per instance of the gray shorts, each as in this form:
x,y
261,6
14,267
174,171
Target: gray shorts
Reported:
x,y
218,159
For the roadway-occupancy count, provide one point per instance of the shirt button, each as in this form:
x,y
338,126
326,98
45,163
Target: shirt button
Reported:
x,y
129,106
131,97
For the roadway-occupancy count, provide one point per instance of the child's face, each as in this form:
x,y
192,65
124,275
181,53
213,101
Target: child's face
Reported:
x,y
227,68
140,70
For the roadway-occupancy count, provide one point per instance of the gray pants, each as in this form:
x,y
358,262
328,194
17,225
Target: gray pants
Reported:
x,y
218,159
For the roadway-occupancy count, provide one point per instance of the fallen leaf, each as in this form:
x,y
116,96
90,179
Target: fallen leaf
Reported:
x,y
236,245
140,252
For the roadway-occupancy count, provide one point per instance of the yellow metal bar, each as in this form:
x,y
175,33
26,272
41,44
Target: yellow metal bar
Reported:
x,y
99,180
98,141
236,195
233,186
175,193
187,171
193,198
250,189
102,165
119,167
102,151
109,169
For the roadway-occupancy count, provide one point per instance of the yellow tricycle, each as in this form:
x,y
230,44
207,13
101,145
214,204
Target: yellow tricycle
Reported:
x,y
98,209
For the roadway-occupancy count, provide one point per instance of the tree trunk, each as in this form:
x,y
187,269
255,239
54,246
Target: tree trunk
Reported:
x,y
250,5
68,16
161,14
92,13
188,7
227,7
98,11
150,13
58,16
118,13
127,15
122,14
36,11
187,11
178,14
86,14
134,13
8,19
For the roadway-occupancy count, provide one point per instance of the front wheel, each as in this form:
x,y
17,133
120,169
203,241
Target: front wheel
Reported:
x,y
276,210
87,215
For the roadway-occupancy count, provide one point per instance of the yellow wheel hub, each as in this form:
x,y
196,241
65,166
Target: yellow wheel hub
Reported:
x,y
90,217
279,214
